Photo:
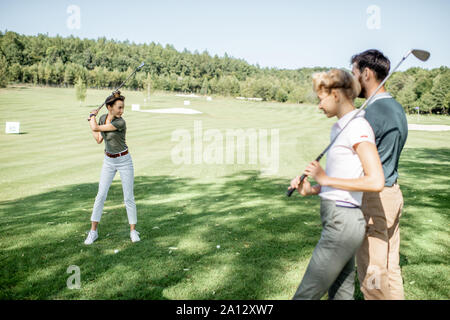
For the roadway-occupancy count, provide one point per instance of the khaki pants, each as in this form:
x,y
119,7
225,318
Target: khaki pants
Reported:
x,y
378,259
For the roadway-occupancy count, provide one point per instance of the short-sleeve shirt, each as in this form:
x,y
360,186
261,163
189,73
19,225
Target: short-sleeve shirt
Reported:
x,y
343,161
114,140
388,120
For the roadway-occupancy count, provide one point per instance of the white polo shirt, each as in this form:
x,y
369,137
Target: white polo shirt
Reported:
x,y
343,161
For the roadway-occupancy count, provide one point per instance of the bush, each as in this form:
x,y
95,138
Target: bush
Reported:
x,y
80,90
281,95
3,72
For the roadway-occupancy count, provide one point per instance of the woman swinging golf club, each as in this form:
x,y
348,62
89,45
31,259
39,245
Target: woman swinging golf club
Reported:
x,y
353,166
112,129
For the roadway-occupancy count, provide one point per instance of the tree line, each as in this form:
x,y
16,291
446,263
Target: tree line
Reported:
x,y
103,63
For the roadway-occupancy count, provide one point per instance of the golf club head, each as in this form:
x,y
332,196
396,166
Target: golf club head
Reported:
x,y
142,64
420,54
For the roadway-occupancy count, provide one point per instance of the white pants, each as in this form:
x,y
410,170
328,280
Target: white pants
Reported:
x,y
124,165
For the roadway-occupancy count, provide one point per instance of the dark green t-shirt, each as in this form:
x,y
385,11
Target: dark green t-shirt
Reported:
x,y
388,121
114,140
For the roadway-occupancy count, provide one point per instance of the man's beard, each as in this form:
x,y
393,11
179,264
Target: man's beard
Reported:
x,y
362,94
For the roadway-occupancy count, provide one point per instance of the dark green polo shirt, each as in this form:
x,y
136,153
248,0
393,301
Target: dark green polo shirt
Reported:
x,y
114,140
388,121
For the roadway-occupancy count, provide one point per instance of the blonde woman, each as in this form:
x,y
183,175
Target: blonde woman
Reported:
x,y
353,166
112,128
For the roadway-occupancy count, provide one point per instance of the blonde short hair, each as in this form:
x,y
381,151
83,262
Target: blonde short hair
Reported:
x,y
336,79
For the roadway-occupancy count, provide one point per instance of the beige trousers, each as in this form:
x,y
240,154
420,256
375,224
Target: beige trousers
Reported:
x,y
378,258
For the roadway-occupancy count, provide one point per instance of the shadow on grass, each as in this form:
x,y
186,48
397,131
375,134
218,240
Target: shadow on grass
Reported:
x,y
425,219
260,233
425,181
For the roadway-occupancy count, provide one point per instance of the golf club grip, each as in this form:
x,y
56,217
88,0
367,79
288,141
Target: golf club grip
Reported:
x,y
290,191
142,64
97,110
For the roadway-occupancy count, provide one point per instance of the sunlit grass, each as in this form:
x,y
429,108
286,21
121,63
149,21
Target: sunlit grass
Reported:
x,y
208,231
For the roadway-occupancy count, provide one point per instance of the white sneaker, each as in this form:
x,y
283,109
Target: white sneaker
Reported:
x,y
92,236
134,235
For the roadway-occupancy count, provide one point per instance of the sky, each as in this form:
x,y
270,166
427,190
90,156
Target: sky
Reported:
x,y
283,33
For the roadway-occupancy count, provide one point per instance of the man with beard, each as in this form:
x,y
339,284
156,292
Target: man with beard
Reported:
x,y
378,259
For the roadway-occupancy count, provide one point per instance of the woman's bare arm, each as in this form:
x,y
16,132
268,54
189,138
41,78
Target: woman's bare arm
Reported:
x,y
101,128
372,181
97,136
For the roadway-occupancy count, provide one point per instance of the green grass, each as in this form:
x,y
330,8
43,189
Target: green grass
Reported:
x,y
49,178
428,119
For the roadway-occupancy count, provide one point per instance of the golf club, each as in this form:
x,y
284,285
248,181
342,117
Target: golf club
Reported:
x,y
115,90
419,54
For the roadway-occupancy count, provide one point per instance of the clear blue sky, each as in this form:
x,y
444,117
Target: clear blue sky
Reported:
x,y
284,34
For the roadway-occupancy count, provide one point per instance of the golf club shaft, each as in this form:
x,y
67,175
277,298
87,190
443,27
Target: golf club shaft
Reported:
x,y
123,83
291,190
